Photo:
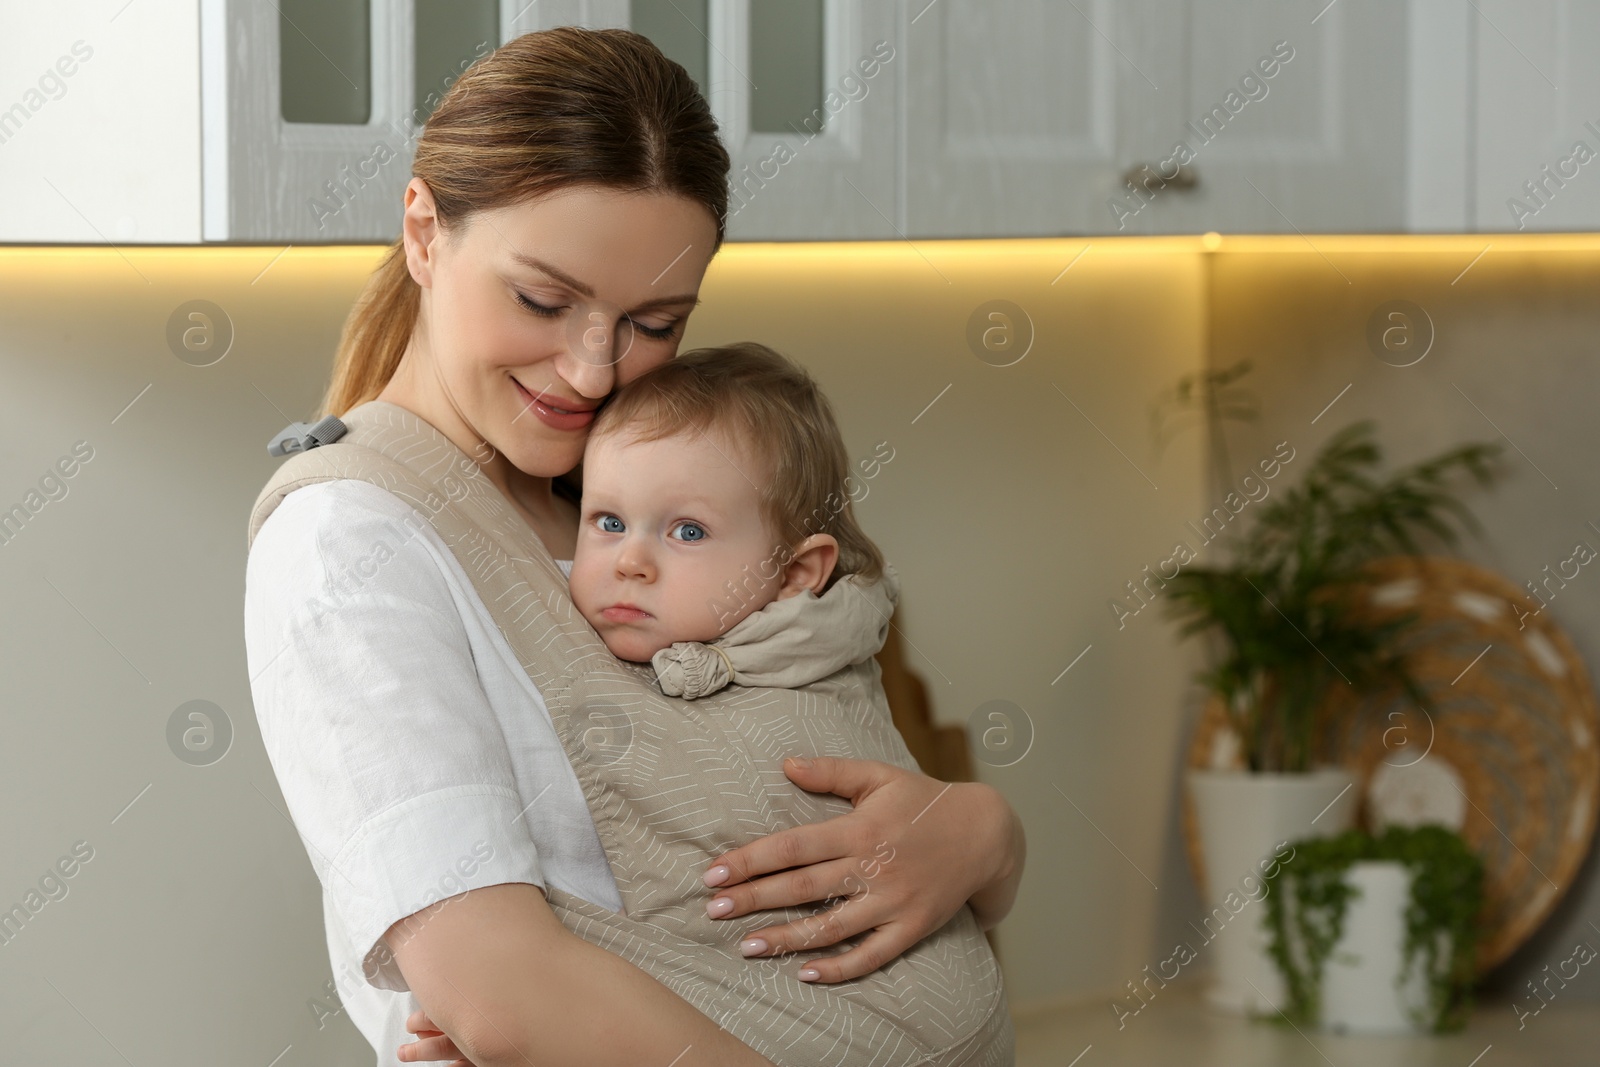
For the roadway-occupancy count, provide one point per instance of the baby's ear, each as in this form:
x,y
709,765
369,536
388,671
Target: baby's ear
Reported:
x,y
811,567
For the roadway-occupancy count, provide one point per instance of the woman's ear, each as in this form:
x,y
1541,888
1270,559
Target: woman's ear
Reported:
x,y
419,228
811,567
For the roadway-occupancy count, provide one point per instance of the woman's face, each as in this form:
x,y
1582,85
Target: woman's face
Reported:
x,y
532,314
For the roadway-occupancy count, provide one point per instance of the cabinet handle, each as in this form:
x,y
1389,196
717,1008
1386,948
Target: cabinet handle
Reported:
x,y
1149,174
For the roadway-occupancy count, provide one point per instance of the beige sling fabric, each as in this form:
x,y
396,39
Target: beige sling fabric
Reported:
x,y
788,643
672,783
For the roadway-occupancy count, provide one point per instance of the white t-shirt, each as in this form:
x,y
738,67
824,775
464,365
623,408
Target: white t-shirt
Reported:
x,y
416,756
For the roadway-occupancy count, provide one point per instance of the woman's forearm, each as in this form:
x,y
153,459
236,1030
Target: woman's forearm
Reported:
x,y
497,972
993,902
599,1009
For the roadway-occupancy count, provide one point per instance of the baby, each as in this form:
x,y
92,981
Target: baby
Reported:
x,y
717,543
716,539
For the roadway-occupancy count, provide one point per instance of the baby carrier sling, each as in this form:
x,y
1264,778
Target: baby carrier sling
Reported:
x,y
673,783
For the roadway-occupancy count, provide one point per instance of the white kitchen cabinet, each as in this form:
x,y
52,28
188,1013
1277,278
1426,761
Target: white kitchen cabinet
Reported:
x,y
1536,150
810,159
1034,121
1020,119
1505,117
1321,145
176,122
295,121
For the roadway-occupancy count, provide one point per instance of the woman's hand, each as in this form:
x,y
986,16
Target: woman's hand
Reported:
x,y
911,853
431,1044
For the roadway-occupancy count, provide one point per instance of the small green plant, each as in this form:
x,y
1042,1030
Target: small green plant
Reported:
x,y
1284,609
1442,928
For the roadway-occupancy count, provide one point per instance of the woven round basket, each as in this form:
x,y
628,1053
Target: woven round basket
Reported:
x,y
1507,756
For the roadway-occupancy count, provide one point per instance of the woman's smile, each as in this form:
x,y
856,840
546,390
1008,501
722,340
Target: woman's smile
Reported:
x,y
560,418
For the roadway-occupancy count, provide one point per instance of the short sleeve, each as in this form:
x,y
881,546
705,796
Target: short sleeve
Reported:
x,y
390,757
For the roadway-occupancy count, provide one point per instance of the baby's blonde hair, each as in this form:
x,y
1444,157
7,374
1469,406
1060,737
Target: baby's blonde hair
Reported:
x,y
748,393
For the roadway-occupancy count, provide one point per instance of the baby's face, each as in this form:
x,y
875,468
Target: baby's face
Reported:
x,y
665,526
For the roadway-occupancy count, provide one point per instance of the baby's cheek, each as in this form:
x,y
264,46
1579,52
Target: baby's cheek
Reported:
x,y
580,588
623,641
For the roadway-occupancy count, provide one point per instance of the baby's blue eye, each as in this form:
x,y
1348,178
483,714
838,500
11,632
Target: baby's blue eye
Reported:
x,y
610,524
692,531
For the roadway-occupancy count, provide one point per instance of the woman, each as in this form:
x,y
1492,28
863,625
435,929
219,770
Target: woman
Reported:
x,y
569,193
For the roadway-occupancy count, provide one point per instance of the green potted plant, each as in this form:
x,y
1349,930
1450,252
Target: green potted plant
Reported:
x,y
1283,633
1377,934
1282,608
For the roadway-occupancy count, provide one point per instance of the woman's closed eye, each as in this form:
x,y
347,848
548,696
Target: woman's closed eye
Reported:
x,y
542,310
550,311
659,333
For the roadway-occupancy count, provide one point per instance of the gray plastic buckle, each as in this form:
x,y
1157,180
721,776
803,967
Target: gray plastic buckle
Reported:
x,y
302,437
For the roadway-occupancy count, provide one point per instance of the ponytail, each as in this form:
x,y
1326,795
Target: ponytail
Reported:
x,y
375,334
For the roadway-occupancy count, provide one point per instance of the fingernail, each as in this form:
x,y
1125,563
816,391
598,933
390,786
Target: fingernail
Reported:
x,y
716,875
752,946
802,764
719,907
810,974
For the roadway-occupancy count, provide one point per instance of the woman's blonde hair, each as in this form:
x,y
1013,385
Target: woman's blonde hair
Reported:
x,y
546,111
750,394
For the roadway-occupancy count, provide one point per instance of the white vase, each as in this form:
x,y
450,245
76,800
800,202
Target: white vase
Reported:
x,y
1243,819
1361,988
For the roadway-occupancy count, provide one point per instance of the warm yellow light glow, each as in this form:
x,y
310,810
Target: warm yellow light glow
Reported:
x,y
160,253
1412,243
814,253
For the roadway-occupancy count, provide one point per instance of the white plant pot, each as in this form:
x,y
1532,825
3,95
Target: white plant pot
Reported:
x,y
1361,988
1243,818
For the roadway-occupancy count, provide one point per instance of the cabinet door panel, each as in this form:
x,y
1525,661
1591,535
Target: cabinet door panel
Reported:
x,y
1538,101
1317,146
267,179
1033,117
1021,116
834,174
